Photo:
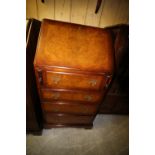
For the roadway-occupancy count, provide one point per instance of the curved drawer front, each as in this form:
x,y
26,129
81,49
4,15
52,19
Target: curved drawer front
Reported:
x,y
50,95
66,119
71,108
60,80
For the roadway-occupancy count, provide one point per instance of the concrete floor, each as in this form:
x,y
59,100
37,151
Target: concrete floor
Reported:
x,y
109,136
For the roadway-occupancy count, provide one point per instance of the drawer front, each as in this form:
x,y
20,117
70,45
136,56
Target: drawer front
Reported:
x,y
60,80
67,119
71,108
51,95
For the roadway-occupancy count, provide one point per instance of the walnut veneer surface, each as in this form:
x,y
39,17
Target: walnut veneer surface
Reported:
x,y
74,46
74,65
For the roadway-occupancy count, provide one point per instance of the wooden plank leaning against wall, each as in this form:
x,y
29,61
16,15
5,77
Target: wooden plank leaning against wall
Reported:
x,y
111,12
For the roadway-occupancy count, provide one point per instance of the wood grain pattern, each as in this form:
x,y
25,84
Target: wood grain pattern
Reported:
x,y
76,96
67,119
74,65
62,10
69,70
66,80
70,108
76,43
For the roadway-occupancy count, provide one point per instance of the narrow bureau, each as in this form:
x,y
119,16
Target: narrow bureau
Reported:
x,y
74,65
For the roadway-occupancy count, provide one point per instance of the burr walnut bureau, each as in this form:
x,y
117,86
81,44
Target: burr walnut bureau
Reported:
x,y
74,65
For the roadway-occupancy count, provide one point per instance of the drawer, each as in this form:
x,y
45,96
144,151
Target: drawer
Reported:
x,y
82,96
67,119
71,108
61,80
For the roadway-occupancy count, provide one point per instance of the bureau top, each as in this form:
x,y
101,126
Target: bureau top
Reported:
x,y
74,46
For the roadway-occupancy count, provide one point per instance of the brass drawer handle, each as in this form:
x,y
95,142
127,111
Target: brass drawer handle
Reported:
x,y
55,96
88,98
93,82
56,79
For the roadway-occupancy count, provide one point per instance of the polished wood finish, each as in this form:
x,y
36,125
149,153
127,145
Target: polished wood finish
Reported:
x,y
60,80
74,65
76,46
66,95
69,107
52,118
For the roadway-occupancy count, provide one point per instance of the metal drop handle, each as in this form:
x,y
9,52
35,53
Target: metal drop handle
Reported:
x,y
56,79
93,82
55,96
88,98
